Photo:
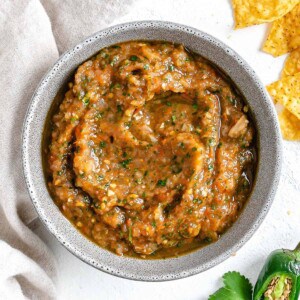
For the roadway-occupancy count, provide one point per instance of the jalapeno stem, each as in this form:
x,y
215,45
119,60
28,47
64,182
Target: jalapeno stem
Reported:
x,y
298,247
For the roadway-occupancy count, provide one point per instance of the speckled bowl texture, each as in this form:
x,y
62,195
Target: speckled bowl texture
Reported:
x,y
268,170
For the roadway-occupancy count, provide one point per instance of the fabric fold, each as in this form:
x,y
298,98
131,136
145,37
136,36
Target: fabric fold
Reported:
x,y
27,50
72,21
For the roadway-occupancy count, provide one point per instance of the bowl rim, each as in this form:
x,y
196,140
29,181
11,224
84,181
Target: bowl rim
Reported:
x,y
101,258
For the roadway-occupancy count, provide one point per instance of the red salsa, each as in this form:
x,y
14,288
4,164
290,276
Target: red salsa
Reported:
x,y
151,151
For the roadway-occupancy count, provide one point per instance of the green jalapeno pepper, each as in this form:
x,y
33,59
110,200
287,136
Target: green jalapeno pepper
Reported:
x,y
280,277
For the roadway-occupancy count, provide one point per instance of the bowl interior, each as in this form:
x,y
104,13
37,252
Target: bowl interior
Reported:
x,y
268,169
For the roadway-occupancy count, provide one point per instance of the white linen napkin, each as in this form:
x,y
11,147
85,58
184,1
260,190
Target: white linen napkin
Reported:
x,y
32,33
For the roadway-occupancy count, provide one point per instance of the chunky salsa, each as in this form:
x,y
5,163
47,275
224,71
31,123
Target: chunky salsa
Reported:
x,y
151,151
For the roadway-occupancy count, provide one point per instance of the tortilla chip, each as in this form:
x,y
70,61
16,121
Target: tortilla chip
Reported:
x,y
285,34
289,125
254,12
287,92
292,64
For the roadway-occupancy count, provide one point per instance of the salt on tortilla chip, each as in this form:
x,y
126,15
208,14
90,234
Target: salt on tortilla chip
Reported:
x,y
285,33
286,91
292,64
254,12
289,125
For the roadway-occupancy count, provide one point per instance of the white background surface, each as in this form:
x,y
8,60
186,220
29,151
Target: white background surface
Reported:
x,y
281,228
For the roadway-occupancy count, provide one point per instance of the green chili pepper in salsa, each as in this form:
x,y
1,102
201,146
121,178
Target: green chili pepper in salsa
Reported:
x,y
280,276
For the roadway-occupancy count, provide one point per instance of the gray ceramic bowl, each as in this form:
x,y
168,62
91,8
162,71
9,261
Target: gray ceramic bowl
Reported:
x,y
268,166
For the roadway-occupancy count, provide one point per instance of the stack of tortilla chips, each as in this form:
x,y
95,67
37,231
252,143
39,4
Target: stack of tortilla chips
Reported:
x,y
284,37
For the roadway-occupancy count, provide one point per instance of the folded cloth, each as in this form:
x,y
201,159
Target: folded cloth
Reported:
x,y
33,33
72,20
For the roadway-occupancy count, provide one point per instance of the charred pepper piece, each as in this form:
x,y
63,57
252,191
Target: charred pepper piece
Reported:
x,y
279,279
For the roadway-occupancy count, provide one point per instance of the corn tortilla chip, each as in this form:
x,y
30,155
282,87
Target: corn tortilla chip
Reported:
x,y
287,92
292,64
285,34
289,125
254,12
